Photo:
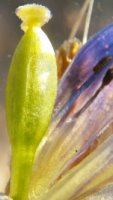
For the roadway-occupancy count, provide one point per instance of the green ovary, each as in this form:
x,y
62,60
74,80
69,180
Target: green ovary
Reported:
x,y
30,97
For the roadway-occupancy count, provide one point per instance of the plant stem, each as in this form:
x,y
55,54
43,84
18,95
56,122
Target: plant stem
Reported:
x,y
88,20
22,162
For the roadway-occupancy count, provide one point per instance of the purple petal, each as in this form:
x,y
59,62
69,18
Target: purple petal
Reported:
x,y
98,47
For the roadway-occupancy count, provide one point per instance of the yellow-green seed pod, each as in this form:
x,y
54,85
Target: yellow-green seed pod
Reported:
x,y
30,95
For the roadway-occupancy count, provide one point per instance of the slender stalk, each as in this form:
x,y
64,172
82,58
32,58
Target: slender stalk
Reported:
x,y
79,19
21,171
88,20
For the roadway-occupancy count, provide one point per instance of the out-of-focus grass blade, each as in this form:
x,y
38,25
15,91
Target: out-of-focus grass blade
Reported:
x,y
4,153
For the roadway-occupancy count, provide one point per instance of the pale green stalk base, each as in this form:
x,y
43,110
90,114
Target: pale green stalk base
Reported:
x,y
22,160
